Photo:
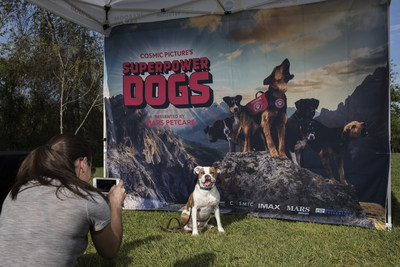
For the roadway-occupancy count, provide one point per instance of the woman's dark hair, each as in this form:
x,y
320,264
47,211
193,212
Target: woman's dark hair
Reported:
x,y
56,160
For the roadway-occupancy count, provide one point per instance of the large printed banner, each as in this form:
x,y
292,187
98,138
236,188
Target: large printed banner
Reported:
x,y
291,104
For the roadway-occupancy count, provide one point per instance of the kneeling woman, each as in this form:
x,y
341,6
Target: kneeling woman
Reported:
x,y
48,213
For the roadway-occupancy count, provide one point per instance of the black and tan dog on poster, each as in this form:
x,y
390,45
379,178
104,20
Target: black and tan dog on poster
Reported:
x,y
275,116
295,139
244,125
222,130
333,142
235,109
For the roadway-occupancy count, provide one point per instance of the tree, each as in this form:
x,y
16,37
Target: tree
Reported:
x,y
73,55
50,74
394,110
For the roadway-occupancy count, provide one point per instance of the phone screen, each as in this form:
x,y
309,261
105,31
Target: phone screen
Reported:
x,y
105,185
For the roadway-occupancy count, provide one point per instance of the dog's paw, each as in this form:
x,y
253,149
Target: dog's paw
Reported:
x,y
274,154
195,232
334,181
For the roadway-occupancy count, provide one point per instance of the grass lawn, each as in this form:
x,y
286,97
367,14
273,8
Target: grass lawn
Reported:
x,y
250,241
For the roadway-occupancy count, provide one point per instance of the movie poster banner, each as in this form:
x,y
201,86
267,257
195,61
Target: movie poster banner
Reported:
x,y
291,104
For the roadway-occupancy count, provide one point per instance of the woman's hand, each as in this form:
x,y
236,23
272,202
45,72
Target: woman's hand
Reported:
x,y
117,195
108,240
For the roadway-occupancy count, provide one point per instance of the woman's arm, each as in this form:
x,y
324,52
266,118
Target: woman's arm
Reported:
x,y
108,240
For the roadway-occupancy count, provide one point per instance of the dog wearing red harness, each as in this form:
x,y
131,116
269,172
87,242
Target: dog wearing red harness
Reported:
x,y
275,115
244,124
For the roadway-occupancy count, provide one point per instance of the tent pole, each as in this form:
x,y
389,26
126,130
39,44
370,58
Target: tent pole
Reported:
x,y
389,185
104,130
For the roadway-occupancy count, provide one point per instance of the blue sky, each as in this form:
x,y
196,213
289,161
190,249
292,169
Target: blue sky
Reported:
x,y
395,35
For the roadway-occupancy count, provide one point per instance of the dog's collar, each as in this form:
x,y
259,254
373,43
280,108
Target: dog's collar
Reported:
x,y
205,189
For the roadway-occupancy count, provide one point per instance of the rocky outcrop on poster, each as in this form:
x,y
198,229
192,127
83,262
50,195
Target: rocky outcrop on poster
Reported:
x,y
151,160
256,183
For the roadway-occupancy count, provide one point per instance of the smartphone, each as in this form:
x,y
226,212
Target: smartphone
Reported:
x,y
105,184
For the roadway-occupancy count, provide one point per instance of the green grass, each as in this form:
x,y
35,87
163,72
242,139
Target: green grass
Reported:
x,y
250,241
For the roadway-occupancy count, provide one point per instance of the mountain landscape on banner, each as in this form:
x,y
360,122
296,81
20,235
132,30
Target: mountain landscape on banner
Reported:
x,y
157,162
152,162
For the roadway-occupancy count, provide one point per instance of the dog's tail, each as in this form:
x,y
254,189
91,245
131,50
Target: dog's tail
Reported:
x,y
175,229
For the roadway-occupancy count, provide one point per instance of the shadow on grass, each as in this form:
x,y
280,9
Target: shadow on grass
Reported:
x,y
94,259
227,219
128,247
395,211
205,259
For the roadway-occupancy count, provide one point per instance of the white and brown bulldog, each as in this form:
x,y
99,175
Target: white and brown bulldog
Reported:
x,y
204,199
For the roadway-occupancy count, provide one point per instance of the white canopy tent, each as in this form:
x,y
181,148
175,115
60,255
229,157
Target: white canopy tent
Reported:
x,y
102,15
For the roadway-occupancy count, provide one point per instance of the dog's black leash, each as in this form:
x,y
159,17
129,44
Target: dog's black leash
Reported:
x,y
175,229
179,228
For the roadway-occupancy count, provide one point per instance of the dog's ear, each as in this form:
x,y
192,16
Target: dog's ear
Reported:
x,y
227,99
315,103
217,169
238,98
217,172
298,104
206,129
197,169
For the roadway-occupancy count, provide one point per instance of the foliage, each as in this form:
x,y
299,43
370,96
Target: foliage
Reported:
x,y
394,110
51,74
